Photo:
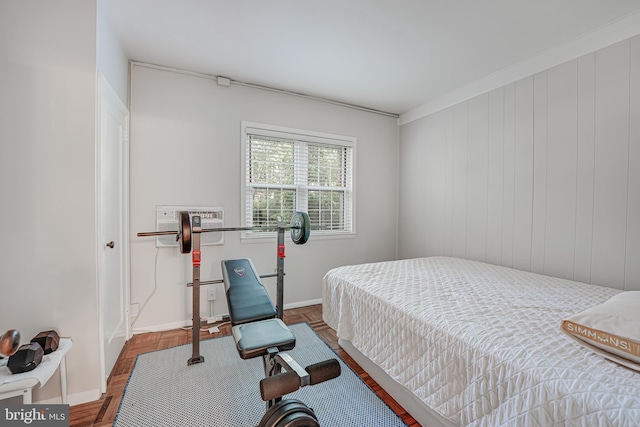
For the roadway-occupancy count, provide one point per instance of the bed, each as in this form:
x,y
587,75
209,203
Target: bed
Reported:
x,y
464,343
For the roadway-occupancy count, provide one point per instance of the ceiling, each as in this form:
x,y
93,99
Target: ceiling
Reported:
x,y
388,55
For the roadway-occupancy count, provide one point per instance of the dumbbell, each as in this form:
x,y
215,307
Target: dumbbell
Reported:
x,y
29,356
48,340
9,342
26,359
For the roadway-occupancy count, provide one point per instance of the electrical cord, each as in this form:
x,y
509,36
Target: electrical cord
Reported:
x,y
153,291
213,325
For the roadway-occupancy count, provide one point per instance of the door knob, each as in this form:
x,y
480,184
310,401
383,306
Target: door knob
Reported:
x,y
111,244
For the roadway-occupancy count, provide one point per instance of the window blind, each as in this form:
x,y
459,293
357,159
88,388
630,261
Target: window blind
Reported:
x,y
285,172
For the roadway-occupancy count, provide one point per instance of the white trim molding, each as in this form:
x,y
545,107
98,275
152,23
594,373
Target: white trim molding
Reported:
x,y
602,37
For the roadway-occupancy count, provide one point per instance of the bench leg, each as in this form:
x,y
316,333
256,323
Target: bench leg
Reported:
x,y
271,368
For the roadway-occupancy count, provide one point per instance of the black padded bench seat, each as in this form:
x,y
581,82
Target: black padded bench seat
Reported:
x,y
256,338
247,297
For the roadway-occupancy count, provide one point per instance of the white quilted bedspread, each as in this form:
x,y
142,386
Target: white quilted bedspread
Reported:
x,y
481,344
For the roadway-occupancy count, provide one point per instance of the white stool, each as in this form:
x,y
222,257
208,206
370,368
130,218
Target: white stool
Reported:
x,y
12,385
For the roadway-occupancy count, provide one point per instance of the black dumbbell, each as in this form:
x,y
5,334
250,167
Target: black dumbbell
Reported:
x,y
26,358
48,340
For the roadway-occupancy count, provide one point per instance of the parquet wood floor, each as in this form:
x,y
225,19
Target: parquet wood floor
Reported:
x,y
103,411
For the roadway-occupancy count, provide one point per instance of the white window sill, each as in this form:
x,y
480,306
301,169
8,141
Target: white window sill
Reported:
x,y
271,237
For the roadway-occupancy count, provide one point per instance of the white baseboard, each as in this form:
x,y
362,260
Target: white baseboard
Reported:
x,y
84,397
187,323
303,303
162,327
73,399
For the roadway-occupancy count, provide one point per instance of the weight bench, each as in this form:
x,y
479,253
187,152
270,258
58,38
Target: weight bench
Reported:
x,y
258,331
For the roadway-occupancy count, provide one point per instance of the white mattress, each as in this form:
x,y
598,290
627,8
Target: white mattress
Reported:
x,y
481,344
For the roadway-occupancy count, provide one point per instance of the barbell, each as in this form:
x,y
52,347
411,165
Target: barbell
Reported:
x,y
300,227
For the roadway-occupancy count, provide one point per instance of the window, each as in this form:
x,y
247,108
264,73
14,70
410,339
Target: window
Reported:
x,y
288,170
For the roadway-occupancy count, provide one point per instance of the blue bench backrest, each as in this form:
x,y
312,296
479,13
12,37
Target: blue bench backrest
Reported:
x,y
247,297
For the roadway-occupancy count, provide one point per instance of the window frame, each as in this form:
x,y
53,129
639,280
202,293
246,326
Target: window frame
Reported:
x,y
304,136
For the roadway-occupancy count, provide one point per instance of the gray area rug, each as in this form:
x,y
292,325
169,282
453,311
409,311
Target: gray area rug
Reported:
x,y
224,390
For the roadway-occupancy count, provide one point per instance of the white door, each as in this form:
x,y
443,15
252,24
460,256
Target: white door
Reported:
x,y
113,265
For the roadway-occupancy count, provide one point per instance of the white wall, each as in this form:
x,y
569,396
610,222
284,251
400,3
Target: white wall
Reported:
x,y
111,59
540,175
47,181
185,150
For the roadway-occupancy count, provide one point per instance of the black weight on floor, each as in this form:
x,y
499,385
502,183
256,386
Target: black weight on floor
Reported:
x,y
289,413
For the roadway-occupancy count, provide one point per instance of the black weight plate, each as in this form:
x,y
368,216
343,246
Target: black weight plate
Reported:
x,y
300,228
184,233
289,413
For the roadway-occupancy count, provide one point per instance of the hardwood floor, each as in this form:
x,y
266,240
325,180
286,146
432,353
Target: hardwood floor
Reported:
x,y
103,411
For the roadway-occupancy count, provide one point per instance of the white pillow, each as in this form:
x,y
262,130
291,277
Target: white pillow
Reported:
x,y
611,329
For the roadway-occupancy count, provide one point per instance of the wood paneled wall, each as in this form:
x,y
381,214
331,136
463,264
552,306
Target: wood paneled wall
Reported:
x,y
540,175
